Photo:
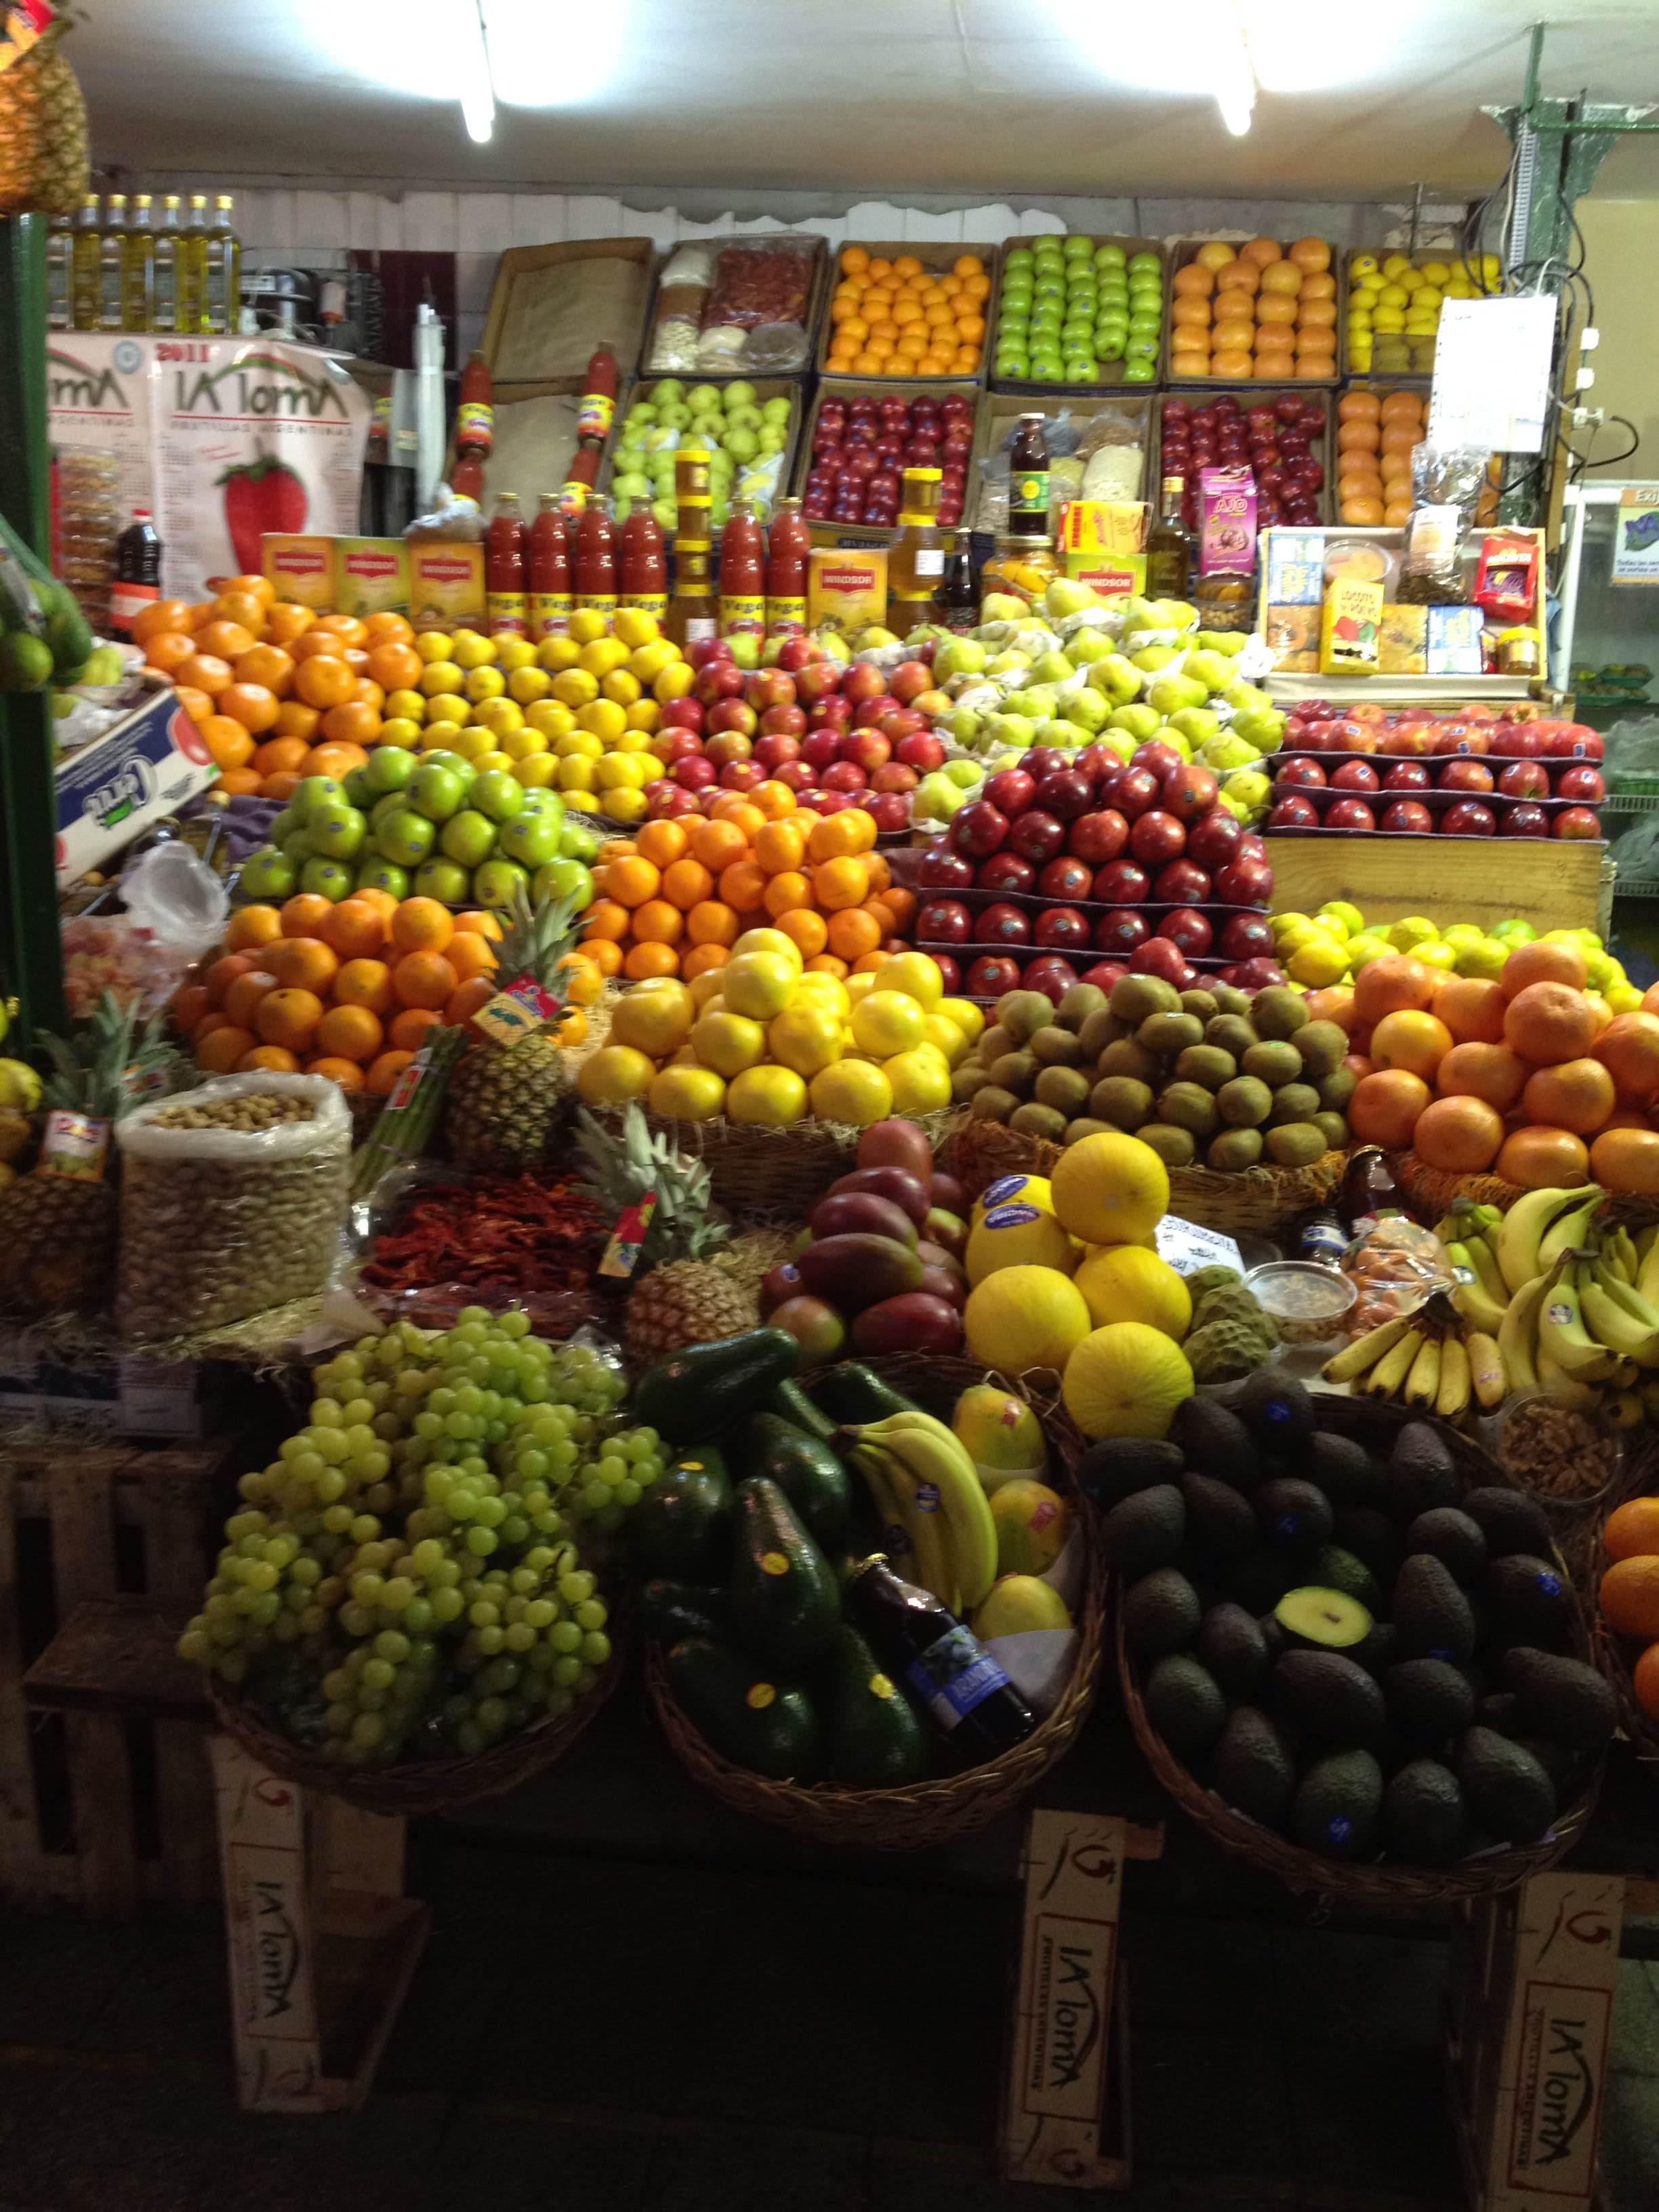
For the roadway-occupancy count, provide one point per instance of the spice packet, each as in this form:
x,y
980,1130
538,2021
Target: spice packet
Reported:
x,y
1226,524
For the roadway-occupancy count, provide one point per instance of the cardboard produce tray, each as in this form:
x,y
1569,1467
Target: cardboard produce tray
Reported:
x,y
939,258
532,284
1199,394
1186,251
998,408
810,243
851,534
1111,377
766,388
1419,258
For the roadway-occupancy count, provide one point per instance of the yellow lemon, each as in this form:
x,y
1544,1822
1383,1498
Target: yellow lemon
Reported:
x,y
442,676
1318,960
853,1091
859,986
1411,931
1369,945
770,941
520,745
574,687
622,687
470,650
502,715
408,706
493,758
649,662
485,683
602,656
471,744
527,685
584,802
1624,998
551,717
587,628
445,711
807,1035
613,1075
758,984
967,1017
398,730
512,652
773,1096
727,1041
920,1080
434,645
687,1094
576,775
937,1030
674,683
536,772
916,975
888,1022
645,716
654,1017
1024,1317
1342,917
558,653
1017,1237
627,805
635,627
603,718
1126,1282
1111,1190
1126,1380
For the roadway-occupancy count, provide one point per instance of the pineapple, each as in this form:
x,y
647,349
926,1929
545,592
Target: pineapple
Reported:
x,y
43,134
683,1295
58,1235
506,1102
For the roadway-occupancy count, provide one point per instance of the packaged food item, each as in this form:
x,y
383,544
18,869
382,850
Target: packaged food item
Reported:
x,y
1395,1266
1349,627
301,567
1402,643
1226,526
445,584
1454,641
846,586
371,576
1446,483
764,281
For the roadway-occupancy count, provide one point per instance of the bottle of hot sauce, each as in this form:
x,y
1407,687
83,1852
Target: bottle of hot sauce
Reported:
x,y
644,565
475,429
549,571
742,580
595,559
788,543
594,416
505,546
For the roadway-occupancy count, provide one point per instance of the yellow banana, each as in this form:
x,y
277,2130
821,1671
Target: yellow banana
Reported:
x,y
1486,1374
1564,1339
1619,1252
1568,1232
1484,1260
1390,1372
1619,1315
935,1570
896,1539
1470,1296
1423,1384
945,1481
1525,1226
1517,1338
1453,1393
1625,1376
1624,1409
1565,1389
1364,1352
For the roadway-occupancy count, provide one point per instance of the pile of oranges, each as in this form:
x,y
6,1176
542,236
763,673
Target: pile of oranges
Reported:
x,y
1260,310
675,898
1376,432
277,692
347,990
898,318
1630,1591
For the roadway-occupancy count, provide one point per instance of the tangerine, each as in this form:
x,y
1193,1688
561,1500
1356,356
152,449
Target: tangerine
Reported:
x,y
711,922
1540,1159
269,666
227,640
205,671
1394,984
288,1016
1629,1049
1633,1529
219,1051
229,742
1415,1041
381,1079
1480,1070
423,979
353,722
421,925
465,1001
350,1032
277,1058
1387,1104
296,719
286,622
242,996
302,962
252,925
407,1031
470,954
364,982
387,629
162,617
1461,1135
345,1073
356,929
304,914
1548,1022
1471,1007
1575,1094
1545,960
1622,1158
662,843
347,627
1644,1680
323,680
1629,1595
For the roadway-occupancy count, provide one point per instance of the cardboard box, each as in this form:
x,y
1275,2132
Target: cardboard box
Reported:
x,y
939,258
1402,645
445,585
371,576
526,342
1111,372
301,568
139,772
1113,576
165,1401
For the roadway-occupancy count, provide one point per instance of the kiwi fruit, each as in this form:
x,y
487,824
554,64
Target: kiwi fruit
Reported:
x,y
1323,1046
1296,1145
1336,1089
991,1103
1175,1147
1170,1034
1205,1064
1055,1047
1188,1106
1123,1101
1232,1033
1275,1062
1015,1072
967,1081
1294,1101
1065,1089
1136,997
1230,999
1022,1013
1086,1125
1033,1120
994,1042
1126,1057
1098,1031
1202,1003
1245,1103
1338,1136
1082,1001
1277,1011
1235,1149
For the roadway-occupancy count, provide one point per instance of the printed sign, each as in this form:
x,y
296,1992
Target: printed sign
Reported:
x,y
1636,536
1491,374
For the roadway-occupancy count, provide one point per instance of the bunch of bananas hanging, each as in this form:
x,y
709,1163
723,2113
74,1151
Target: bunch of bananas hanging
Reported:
x,y
1433,1360
924,1483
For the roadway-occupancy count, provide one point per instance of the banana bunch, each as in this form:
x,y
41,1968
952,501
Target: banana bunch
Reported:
x,y
922,1480
1431,1360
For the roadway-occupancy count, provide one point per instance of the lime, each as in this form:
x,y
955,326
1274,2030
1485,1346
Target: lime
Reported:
x,y
25,661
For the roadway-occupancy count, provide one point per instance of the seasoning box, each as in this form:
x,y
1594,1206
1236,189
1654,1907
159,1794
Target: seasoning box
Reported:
x,y
1402,645
1113,576
371,576
302,568
1293,586
1349,628
1100,525
846,586
445,584
1454,641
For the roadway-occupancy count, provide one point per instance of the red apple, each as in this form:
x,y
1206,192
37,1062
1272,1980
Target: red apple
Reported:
x,y
717,680
737,715
1002,924
774,751
1120,931
1352,735
1293,813
893,775
1012,789
901,722
1355,775
950,974
1573,741
1135,791
821,748
1065,878
1465,773
1098,837
697,774
1258,974
1005,872
834,713
1160,955
887,810
1407,817
742,775
1410,738
1182,883
1051,975
1103,974
770,687
1190,792
1036,835
1158,758
821,680
920,751
1468,818
728,745
862,681
1581,782
1462,738
1043,760
1215,839
1350,814
1300,770
1246,881
868,748
1188,928
1577,822
844,775
798,653
1520,740
943,921
674,746
1122,882
1066,794
706,649
868,712
943,869
1524,820
788,721
1246,936
978,829
684,714
797,776
1524,779
1157,837
909,679
1408,775
1062,928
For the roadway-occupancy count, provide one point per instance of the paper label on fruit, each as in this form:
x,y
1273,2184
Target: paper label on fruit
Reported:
x,y
1186,1246
24,22
74,1146
518,1011
621,1253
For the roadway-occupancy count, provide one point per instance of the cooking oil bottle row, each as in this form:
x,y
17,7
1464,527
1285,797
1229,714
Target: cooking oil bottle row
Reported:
x,y
118,268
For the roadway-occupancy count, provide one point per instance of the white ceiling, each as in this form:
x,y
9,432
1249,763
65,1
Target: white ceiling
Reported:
x,y
976,97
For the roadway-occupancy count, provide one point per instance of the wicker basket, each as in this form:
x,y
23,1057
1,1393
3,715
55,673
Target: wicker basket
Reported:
x,y
1262,1201
424,1785
1383,1887
1616,1655
927,1813
1432,1192
781,1173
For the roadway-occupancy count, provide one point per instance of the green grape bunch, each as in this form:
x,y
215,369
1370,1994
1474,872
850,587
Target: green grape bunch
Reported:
x,y
405,1578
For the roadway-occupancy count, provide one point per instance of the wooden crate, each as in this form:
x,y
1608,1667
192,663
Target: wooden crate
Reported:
x,y
939,256
1195,394
1555,883
997,409
97,1809
817,300
766,388
1185,250
877,388
526,274
1421,367
1111,377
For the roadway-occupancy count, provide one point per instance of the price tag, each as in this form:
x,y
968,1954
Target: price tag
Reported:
x,y
1186,1247
621,1253
1636,536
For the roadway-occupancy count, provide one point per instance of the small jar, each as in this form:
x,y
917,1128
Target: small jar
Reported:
x,y
1225,601
1023,567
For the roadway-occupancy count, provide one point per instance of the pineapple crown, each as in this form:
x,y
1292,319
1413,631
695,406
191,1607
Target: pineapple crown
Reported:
x,y
536,940
621,1168
103,1067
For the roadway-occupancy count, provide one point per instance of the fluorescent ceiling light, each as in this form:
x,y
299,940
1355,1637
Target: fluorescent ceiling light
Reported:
x,y
478,94
543,56
1189,47
519,53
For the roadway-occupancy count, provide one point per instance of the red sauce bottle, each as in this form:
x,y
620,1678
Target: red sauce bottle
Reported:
x,y
475,429
788,543
596,558
742,582
644,578
551,597
506,542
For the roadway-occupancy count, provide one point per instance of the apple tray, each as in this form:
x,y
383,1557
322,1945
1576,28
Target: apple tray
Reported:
x,y
1111,377
982,895
1436,801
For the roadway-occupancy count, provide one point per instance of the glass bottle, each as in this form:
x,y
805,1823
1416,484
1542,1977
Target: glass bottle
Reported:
x,y
596,558
165,268
112,259
1169,548
643,565
956,603
1369,1190
193,267
137,582
693,616
915,559
743,574
788,542
221,266
60,274
951,1675
551,598
505,546
1028,480
84,266
138,268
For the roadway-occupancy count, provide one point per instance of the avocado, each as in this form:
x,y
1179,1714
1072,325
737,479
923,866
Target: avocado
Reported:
x,y
1258,1579
1123,1101
1245,1103
1323,1046
878,1739
1055,1047
767,1726
1168,1035
1234,1150
1454,1539
1328,1698
1046,1123
1277,1011
1136,998
1296,1144
1216,1442
1231,1645
1080,1004
1184,1704
1337,1804
1202,1003
1502,1712
1175,1147
1422,1473
1563,1767
1423,1822
1376,1649
806,1470
1343,1468
1293,1515
1338,1570
1275,1063
1431,1613
1188,1106
1160,1612
1370,1536
1116,1466
1530,1600
1562,1698
1145,1531
852,1394
1294,1101
1126,1057
786,1602
1207,1065
1505,1788
671,1609
682,1526
1326,1620
1428,1701
1253,1767
1219,1521
1276,1409
790,1401
1510,1521
706,1388
1022,1013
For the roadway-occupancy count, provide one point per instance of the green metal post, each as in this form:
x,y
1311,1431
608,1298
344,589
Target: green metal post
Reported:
x,y
31,949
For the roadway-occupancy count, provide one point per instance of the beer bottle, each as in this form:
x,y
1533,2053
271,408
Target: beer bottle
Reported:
x,y
944,1665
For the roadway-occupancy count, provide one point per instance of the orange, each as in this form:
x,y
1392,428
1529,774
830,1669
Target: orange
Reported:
x,y
229,640
1629,1049
657,922
408,1030
381,1079
717,844
1644,1680
335,758
840,883
852,931
267,664
1359,407
470,954
286,622
1629,1595
221,1049
1576,1094
785,892
743,886
241,1000
1461,1135
304,914
1544,961
275,1057
1622,1158
396,667
289,1017
701,958
662,843
201,613
235,605
364,982
1547,1022
709,922
651,959
825,963
224,973
605,920
205,672
207,1024
632,881
805,928
421,925
1541,1159
834,836
731,806
303,963
781,845
1390,986
1631,1529
254,925
228,742
387,629
1410,1040
685,883
1386,1105
322,680
606,955
346,628
466,998
775,800
1480,1070
422,979
355,722
354,929
1471,1007
351,1032
480,922
345,1073
296,719
162,617
196,704
250,704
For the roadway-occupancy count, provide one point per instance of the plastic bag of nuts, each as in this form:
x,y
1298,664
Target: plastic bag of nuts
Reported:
x,y
233,1196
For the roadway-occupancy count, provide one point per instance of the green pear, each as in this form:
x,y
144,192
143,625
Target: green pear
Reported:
x,y
1195,723
959,656
1121,742
967,776
1152,658
1004,663
1051,668
1250,786
965,726
1264,726
1002,606
1141,614
1240,695
1118,677
1085,646
1227,641
1212,669
1015,730
1140,722
1066,597
1170,693
1229,750
1088,709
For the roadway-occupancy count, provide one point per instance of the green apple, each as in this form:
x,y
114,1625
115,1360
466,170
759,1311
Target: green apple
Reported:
x,y
269,874
560,879
1088,709
435,791
406,837
1051,668
382,875
285,826
1212,669
310,791
495,883
299,848
444,879
532,839
468,836
337,830
499,795
1195,724
1065,596
965,774
330,879
577,841
359,790
1170,693
390,767
1226,751
1141,722
1085,646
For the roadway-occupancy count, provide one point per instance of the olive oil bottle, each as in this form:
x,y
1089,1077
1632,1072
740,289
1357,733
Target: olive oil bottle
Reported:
x,y
138,268
168,264
222,307
84,266
111,263
192,266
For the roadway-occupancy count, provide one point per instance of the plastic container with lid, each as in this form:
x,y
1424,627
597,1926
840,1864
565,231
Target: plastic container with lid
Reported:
x,y
1308,1302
